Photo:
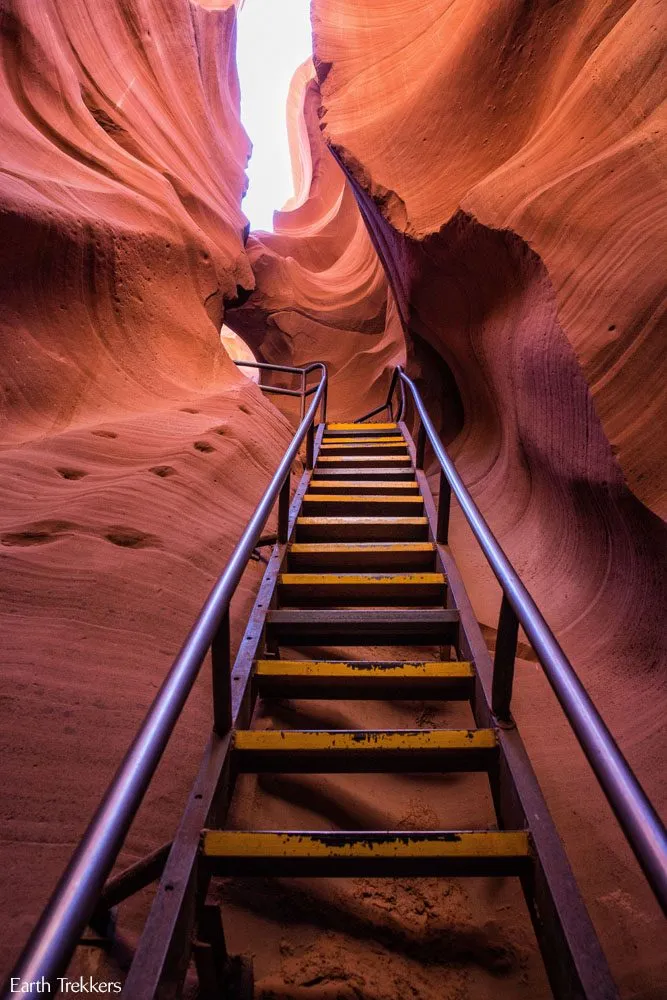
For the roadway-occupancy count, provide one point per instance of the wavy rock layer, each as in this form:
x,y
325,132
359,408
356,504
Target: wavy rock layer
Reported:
x,y
133,450
548,122
321,292
110,539
121,229
507,161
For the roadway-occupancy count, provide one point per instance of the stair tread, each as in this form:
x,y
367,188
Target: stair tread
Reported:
x,y
359,439
359,458
361,428
365,680
386,498
362,740
406,470
361,557
366,484
395,519
426,616
360,579
379,853
307,547
362,443
364,668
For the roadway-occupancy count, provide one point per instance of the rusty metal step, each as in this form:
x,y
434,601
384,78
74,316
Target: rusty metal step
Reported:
x,y
361,430
381,446
364,751
329,589
385,474
355,439
361,487
361,529
360,459
364,556
368,853
364,679
363,627
391,505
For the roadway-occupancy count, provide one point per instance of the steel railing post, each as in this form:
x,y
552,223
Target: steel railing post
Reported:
x,y
323,408
444,503
310,447
302,411
503,662
283,512
421,446
221,664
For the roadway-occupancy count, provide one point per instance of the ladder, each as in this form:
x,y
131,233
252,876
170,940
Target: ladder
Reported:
x,y
361,569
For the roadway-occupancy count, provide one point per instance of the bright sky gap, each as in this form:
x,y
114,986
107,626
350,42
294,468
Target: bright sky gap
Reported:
x,y
274,38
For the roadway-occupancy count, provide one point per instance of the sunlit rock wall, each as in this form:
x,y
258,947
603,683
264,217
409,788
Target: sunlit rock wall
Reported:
x,y
131,450
321,293
509,159
121,231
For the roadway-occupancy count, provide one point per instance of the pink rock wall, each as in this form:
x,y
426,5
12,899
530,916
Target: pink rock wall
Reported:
x,y
506,160
321,293
121,226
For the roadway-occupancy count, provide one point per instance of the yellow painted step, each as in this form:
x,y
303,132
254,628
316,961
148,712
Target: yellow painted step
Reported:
x,y
385,473
361,579
363,741
364,428
392,439
362,529
335,498
378,853
349,589
367,485
366,505
364,679
363,751
364,556
333,459
334,445
436,670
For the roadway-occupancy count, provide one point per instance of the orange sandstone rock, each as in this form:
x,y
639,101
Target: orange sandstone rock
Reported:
x,y
121,227
509,161
321,292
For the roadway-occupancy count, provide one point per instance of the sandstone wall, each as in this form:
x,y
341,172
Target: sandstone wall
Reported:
x,y
321,293
509,161
121,231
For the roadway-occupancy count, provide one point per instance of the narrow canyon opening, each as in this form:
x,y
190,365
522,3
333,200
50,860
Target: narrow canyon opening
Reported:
x,y
273,40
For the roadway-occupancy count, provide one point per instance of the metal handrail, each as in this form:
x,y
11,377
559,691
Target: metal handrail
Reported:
x,y
74,900
634,811
277,390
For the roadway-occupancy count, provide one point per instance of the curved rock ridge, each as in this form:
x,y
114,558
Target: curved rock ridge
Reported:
x,y
507,160
121,229
321,293
111,538
548,122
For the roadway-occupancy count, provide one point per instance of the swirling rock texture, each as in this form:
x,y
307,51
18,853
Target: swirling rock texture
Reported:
x,y
509,161
122,233
321,293
132,449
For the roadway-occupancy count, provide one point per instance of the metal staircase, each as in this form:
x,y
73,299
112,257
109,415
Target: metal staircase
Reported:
x,y
341,592
361,569
361,561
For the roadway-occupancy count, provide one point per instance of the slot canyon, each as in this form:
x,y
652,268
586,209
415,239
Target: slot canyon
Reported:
x,y
480,196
